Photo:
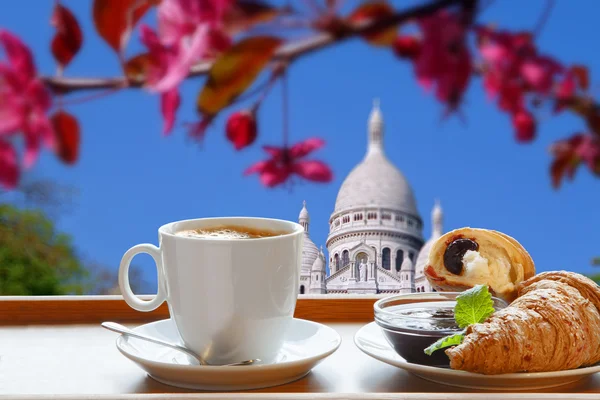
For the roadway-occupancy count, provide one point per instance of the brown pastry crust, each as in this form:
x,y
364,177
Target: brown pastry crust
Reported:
x,y
493,244
551,326
587,287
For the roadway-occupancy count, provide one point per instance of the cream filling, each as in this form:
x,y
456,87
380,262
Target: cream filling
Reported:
x,y
494,273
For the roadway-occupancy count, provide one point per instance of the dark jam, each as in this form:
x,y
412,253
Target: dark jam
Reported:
x,y
433,317
413,327
455,252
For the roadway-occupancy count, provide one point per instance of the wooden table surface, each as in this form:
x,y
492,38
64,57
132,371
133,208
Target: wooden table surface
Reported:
x,y
82,361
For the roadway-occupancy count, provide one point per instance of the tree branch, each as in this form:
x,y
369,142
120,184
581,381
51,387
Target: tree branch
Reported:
x,y
287,53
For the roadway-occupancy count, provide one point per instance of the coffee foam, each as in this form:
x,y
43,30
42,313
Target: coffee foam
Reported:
x,y
227,233
216,234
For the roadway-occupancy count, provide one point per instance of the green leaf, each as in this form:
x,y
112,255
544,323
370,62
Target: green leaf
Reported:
x,y
452,340
473,306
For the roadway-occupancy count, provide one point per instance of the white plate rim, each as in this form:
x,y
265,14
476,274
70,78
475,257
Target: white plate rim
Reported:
x,y
240,368
427,370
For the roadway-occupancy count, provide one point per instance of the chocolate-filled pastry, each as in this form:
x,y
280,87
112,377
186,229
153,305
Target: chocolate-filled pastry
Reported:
x,y
553,325
466,257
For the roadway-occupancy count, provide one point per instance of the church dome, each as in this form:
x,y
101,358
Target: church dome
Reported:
x,y
310,251
437,220
319,264
407,265
376,182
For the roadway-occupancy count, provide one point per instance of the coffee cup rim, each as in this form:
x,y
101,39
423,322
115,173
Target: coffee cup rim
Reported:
x,y
167,230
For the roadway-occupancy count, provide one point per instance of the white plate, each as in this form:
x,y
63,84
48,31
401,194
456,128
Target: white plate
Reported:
x,y
371,340
305,345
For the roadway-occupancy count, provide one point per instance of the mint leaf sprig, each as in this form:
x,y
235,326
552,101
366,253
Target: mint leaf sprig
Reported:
x,y
473,306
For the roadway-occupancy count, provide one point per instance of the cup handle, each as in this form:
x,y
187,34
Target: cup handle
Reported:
x,y
130,298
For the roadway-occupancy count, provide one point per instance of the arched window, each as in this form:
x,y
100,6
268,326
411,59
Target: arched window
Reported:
x,y
345,258
301,289
411,255
422,288
418,290
336,262
399,258
386,216
386,260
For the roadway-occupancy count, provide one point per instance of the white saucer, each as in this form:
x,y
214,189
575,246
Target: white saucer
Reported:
x,y
306,344
371,340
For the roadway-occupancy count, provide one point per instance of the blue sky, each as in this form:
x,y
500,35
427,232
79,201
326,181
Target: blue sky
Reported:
x,y
131,179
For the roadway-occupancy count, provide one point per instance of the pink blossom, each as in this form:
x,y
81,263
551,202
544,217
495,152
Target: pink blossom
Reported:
x,y
570,153
285,162
513,67
524,125
178,19
538,73
444,60
24,100
188,31
9,166
170,64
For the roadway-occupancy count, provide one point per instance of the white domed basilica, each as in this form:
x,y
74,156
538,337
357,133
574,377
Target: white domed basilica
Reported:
x,y
375,242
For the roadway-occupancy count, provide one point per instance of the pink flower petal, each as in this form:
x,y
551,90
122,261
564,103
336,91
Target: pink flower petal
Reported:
x,y
169,103
18,54
588,149
274,176
179,66
9,167
32,148
306,147
493,53
173,20
10,117
313,170
197,130
257,167
275,152
535,75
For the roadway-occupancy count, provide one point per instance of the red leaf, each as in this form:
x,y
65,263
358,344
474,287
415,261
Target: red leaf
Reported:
x,y
234,71
9,167
406,46
114,19
66,130
246,13
136,68
558,168
372,10
582,76
68,38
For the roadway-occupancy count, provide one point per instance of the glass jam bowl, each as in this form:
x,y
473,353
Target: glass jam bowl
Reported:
x,y
413,321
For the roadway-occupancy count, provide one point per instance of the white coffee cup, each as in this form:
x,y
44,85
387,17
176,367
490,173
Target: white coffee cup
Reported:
x,y
231,299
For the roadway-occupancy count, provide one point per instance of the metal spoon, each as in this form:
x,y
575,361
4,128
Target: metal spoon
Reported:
x,y
115,327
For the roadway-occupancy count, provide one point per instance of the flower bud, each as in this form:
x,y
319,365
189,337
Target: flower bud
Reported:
x,y
241,129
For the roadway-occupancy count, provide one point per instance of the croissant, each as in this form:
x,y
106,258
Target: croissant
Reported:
x,y
553,325
466,257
